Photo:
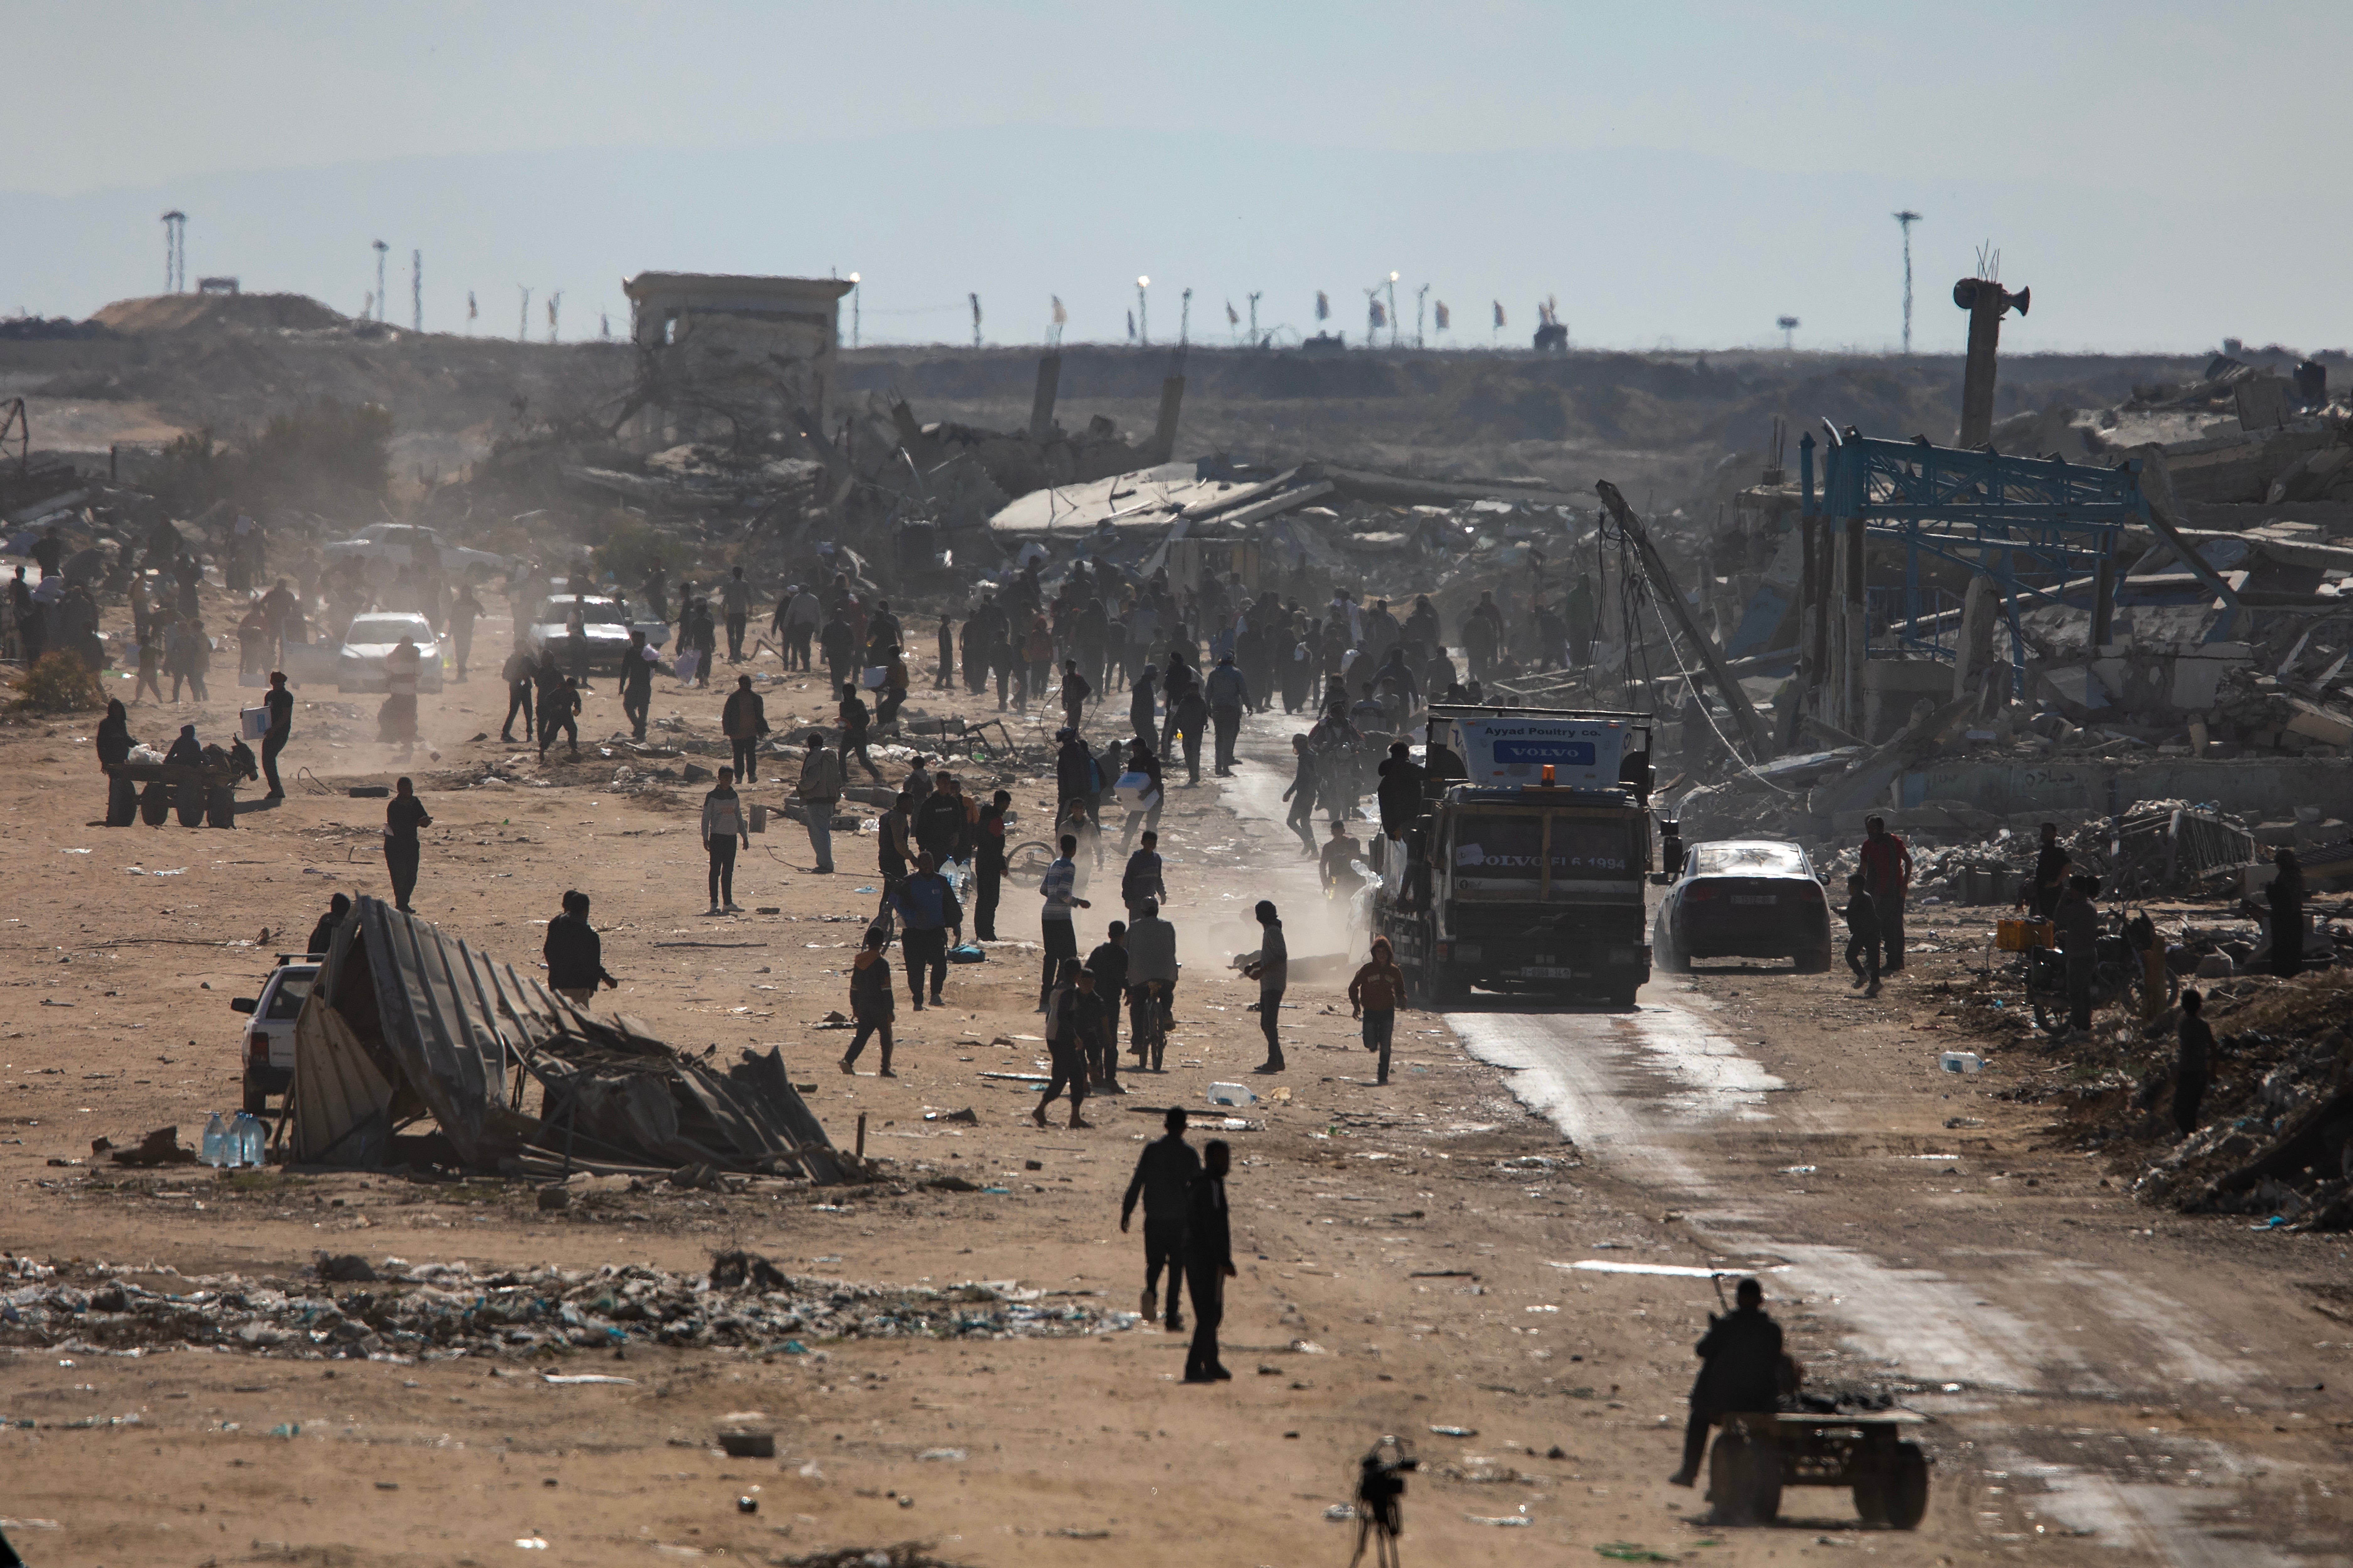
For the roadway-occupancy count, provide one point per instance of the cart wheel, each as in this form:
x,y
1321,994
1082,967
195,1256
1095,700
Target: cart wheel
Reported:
x,y
1907,1487
1743,1479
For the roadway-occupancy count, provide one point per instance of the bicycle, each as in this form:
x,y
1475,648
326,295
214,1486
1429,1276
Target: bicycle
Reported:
x,y
1150,1033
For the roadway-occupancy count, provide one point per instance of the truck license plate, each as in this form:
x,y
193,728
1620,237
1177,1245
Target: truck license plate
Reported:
x,y
1547,971
1756,897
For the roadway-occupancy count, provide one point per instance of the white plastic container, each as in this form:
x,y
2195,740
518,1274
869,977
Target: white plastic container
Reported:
x,y
1134,790
1231,1094
877,676
1961,1061
214,1148
253,723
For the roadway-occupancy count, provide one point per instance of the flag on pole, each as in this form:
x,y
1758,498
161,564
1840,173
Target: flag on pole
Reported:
x,y
470,311
1444,319
1061,317
1500,322
1323,306
1232,319
1380,316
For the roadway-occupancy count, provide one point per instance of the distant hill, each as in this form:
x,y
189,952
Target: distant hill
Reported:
x,y
251,312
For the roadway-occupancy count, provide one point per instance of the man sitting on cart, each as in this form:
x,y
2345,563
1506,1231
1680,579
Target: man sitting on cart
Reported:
x,y
1740,1371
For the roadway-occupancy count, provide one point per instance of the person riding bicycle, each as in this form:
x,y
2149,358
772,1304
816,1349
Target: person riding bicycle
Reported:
x,y
1152,971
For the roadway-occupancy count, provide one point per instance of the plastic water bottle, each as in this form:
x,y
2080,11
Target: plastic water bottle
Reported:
x,y
214,1151
245,1138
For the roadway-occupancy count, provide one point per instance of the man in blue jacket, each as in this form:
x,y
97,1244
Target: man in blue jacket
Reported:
x,y
928,913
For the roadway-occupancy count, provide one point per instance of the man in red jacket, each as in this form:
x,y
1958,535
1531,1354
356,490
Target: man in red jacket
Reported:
x,y
1887,875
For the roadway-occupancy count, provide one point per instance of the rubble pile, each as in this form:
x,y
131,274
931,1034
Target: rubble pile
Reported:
x,y
2276,1139
437,1311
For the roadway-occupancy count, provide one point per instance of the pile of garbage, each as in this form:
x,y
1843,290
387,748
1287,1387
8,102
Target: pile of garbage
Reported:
x,y
399,1310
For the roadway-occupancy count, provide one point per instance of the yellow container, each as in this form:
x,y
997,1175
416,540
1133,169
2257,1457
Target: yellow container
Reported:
x,y
2017,936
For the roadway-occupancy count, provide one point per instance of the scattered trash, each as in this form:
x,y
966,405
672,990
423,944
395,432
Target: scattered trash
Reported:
x,y
562,1381
1231,1094
1508,1519
1628,1552
1961,1062
1456,1431
1339,1512
943,1456
751,1504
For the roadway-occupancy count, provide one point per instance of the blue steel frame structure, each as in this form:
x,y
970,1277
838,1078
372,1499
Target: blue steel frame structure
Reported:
x,y
2037,526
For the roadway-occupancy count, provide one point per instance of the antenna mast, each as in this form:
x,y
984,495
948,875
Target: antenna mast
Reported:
x,y
1907,217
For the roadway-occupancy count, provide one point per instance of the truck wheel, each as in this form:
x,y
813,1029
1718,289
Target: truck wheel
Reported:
x,y
257,1102
1446,984
1818,962
1743,1479
1622,995
1907,1487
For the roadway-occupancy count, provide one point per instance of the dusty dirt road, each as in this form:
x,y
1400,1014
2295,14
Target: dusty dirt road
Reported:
x,y
1401,1249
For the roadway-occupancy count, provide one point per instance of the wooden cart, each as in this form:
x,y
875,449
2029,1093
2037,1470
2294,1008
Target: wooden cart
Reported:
x,y
1758,1454
200,794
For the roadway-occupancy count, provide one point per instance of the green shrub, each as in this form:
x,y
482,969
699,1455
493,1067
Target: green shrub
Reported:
x,y
60,683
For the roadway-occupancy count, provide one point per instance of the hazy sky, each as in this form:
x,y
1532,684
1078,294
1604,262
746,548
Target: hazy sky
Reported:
x,y
2162,174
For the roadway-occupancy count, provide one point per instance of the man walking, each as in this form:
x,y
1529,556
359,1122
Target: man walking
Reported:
x,y
1887,870
745,719
1228,693
1375,996
1141,882
2192,1066
988,865
2079,938
1272,973
1301,794
735,603
723,829
636,683
574,954
518,673
1862,934
1074,1026
1076,690
402,815
281,703
1055,920
928,913
855,731
1165,1173
839,642
946,679
1209,1262
819,791
1108,965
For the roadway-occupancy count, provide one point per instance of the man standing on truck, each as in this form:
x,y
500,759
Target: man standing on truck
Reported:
x,y
1887,872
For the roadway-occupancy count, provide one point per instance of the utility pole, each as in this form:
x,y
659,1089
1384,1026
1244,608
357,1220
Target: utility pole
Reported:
x,y
1143,321
381,251
1393,315
1907,217
853,310
1185,319
1254,304
472,310
1788,325
522,321
975,318
554,306
1419,295
416,291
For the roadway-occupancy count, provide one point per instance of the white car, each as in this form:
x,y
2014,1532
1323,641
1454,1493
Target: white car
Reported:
x,y
270,1038
604,622
398,541
370,638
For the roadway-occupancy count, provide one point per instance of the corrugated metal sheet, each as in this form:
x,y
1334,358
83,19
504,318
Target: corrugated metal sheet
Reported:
x,y
423,1020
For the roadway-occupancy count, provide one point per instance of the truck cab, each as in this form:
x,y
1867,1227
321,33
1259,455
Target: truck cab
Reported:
x,y
269,1053
1525,870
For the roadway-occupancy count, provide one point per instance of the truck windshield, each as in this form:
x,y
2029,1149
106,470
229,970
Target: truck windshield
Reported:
x,y
1503,849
